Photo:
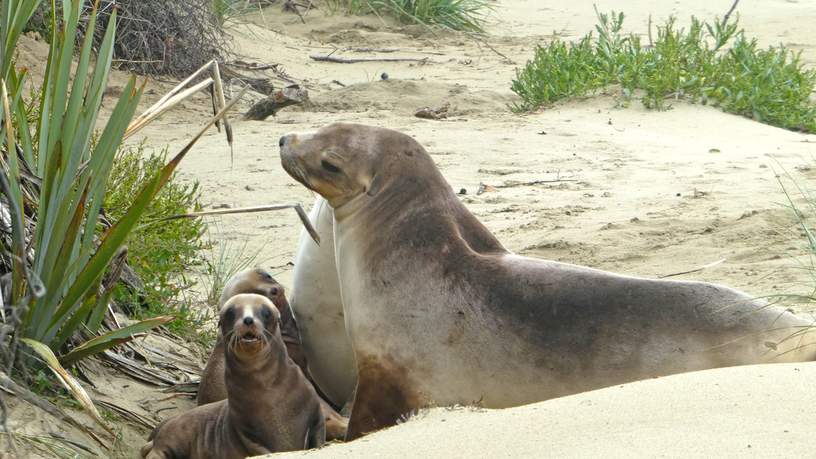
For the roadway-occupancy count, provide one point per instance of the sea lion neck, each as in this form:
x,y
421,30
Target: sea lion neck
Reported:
x,y
395,192
247,376
409,200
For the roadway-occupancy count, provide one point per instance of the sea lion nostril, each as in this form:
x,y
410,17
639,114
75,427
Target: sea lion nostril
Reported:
x,y
282,141
248,320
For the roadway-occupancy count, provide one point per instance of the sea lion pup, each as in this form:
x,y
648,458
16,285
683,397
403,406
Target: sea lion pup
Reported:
x,y
258,281
415,266
317,305
270,406
212,387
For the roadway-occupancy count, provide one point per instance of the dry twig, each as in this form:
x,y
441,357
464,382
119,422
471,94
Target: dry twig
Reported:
x,y
304,218
696,270
355,60
731,10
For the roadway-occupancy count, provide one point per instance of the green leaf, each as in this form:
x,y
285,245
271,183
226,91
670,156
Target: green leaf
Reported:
x,y
113,338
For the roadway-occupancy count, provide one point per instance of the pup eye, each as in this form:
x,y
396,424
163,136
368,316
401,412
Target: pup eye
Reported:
x,y
273,291
266,313
330,167
229,315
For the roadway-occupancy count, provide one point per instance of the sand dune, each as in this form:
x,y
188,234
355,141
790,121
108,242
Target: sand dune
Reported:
x,y
752,411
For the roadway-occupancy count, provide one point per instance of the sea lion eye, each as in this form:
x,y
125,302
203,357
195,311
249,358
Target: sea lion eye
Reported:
x,y
229,315
266,313
330,167
273,291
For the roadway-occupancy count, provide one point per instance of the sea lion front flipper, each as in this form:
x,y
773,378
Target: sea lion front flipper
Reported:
x,y
316,436
382,397
149,452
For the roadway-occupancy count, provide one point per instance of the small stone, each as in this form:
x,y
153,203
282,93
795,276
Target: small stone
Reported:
x,y
383,76
462,191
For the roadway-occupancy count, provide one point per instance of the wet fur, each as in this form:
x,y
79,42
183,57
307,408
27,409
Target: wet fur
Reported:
x,y
439,312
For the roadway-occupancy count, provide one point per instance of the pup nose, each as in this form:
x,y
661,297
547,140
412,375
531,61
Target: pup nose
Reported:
x,y
248,320
282,141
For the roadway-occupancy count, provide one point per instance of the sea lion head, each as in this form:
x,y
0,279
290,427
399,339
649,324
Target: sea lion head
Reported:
x,y
249,323
343,161
255,280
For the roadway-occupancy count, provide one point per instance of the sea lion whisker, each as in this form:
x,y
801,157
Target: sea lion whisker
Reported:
x,y
267,336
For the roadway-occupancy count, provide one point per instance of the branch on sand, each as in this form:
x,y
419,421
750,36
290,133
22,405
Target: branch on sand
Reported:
x,y
355,60
710,265
270,106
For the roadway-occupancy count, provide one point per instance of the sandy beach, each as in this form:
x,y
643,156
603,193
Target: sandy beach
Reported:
x,y
590,181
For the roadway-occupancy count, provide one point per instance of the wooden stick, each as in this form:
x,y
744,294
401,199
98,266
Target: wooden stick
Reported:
x,y
710,265
514,184
354,60
728,14
247,210
478,39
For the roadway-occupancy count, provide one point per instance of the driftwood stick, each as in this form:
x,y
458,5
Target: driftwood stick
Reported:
x,y
728,14
514,184
710,265
354,60
304,219
483,41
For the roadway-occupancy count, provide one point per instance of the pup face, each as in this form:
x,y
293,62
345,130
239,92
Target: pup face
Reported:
x,y
249,322
255,280
267,286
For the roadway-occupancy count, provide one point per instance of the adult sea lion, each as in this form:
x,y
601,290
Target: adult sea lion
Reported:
x,y
270,406
212,387
317,305
415,266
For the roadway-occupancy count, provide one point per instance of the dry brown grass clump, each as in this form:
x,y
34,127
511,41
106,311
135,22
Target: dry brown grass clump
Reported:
x,y
161,37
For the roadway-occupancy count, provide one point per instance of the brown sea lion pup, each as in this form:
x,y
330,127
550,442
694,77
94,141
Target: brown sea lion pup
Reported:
x,y
270,406
415,266
212,387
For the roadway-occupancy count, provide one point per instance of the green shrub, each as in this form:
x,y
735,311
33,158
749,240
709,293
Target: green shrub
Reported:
x,y
54,182
162,255
467,15
769,85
